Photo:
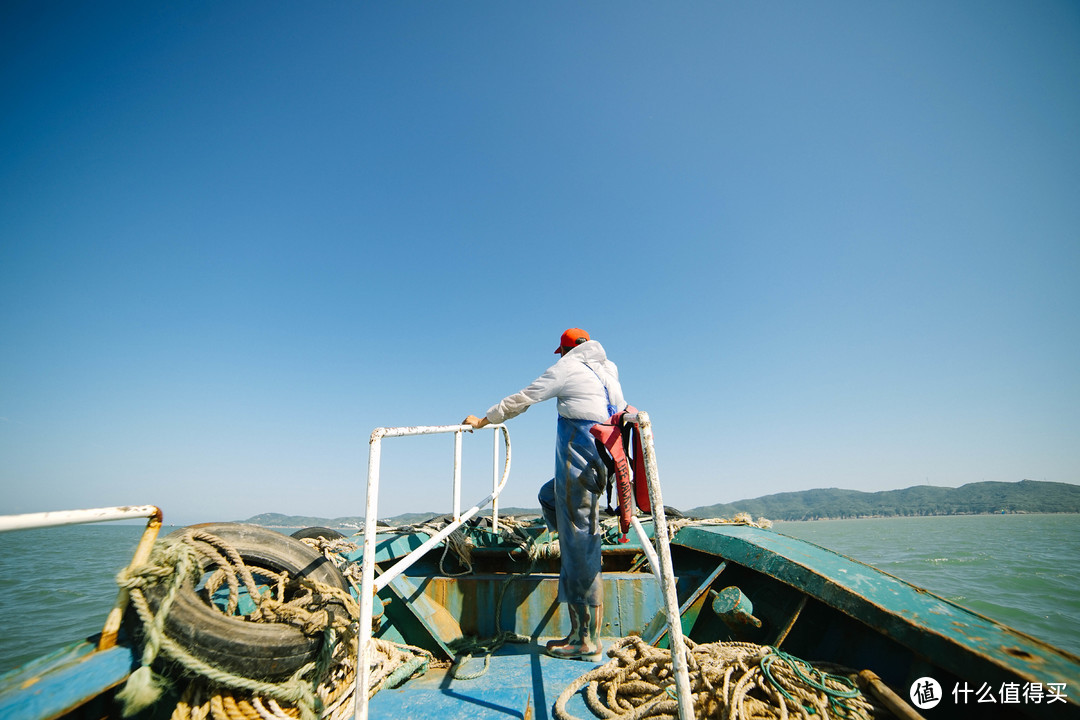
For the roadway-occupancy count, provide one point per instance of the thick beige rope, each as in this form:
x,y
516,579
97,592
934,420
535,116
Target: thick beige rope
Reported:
x,y
728,680
320,689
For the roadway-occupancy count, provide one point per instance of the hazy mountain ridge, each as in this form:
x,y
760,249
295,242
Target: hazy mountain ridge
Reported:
x,y
1025,496
355,522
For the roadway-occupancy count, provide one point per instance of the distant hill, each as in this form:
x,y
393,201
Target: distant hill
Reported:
x,y
355,522
299,521
1026,496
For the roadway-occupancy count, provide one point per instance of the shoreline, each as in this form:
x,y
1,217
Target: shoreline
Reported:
x,y
331,525
927,515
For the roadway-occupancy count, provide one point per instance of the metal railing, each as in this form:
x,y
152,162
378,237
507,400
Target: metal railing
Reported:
x,y
370,585
80,517
659,558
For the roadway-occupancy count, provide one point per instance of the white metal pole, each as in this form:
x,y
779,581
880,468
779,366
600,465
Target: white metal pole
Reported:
x,y
391,573
647,548
76,517
667,573
457,475
495,482
367,583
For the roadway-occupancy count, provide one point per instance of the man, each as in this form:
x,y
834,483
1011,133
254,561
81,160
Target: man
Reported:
x,y
587,386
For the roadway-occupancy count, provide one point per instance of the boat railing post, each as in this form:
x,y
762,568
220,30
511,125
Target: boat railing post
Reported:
x,y
367,582
666,572
457,475
111,631
368,585
495,483
648,549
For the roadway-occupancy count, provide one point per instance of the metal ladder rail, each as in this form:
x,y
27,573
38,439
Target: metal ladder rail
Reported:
x,y
663,570
370,585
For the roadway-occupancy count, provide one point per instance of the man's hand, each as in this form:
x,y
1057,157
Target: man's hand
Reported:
x,y
473,421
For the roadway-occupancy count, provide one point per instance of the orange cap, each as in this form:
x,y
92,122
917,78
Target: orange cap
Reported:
x,y
572,338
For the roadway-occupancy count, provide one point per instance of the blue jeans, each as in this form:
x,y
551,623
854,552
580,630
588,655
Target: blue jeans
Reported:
x,y
571,505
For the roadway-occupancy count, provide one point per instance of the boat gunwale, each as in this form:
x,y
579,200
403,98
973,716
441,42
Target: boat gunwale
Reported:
x,y
921,625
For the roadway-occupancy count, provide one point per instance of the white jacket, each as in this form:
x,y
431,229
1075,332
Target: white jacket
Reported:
x,y
578,379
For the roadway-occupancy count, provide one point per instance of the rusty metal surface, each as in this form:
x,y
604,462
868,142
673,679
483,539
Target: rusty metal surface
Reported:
x,y
433,616
529,606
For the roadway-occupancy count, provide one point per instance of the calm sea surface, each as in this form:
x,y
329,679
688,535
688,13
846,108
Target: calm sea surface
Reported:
x,y
1022,570
56,584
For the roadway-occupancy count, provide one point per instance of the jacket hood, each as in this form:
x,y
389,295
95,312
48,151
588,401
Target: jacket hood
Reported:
x,y
589,351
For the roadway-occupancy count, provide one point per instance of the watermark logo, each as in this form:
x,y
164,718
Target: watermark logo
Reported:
x,y
925,693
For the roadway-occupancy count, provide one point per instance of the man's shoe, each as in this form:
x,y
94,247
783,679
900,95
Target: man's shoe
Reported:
x,y
572,651
583,642
575,630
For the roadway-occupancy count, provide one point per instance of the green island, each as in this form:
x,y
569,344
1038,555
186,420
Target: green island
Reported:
x,y
981,498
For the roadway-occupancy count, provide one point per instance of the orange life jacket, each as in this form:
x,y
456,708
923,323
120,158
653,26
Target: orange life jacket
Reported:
x,y
623,445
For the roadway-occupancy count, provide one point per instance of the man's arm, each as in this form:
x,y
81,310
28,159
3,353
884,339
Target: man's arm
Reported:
x,y
542,388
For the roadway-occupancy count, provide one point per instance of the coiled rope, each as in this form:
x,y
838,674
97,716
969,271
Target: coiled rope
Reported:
x,y
732,680
466,647
322,688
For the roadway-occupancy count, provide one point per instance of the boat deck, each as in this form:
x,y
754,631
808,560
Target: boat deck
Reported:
x,y
521,682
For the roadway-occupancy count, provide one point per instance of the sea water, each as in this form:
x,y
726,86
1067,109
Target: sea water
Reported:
x,y
57,584
1022,570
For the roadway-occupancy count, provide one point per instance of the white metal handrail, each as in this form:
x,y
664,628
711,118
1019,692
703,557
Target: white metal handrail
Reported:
x,y
659,558
369,586
78,517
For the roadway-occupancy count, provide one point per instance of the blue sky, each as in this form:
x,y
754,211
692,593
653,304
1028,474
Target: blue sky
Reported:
x,y
829,245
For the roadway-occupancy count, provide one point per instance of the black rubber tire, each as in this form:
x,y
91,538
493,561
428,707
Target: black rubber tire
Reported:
x,y
317,532
270,651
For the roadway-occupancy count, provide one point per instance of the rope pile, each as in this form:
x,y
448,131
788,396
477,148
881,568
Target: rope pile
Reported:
x,y
513,530
678,523
321,689
458,543
205,698
736,681
335,550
